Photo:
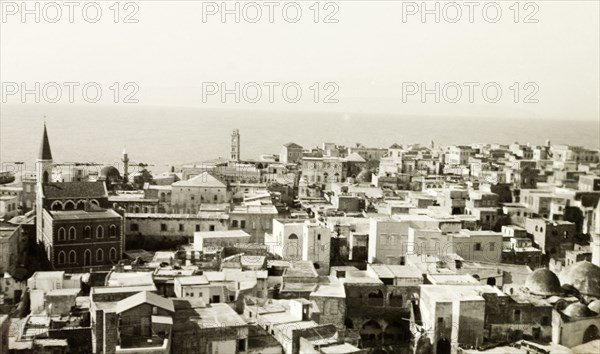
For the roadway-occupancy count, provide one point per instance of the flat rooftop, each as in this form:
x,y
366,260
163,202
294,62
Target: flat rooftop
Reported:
x,y
83,214
122,289
360,277
395,271
340,349
450,293
193,280
301,269
217,315
221,234
329,287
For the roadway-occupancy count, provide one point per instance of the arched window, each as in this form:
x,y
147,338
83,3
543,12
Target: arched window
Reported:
x,y
87,232
87,258
396,299
100,255
72,233
113,254
375,298
162,197
80,205
113,231
99,232
72,257
61,257
293,237
69,205
56,205
62,234
95,202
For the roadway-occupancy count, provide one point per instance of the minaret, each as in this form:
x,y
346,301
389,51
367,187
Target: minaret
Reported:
x,y
235,145
43,174
125,160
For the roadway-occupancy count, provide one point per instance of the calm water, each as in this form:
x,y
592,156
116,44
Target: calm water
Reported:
x,y
166,136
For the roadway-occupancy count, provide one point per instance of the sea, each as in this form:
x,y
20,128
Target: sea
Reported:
x,y
162,137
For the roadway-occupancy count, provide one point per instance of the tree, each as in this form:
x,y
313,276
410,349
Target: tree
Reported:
x,y
143,177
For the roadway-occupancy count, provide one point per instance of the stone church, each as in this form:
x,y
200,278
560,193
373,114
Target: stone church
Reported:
x,y
75,225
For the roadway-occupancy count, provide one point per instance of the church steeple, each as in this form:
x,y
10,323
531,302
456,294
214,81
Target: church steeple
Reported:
x,y
45,153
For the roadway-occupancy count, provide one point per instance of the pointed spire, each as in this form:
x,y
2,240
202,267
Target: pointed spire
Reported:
x,y
45,153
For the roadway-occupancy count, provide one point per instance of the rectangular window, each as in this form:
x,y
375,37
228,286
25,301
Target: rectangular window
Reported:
x,y
492,246
163,227
517,315
333,309
211,228
134,227
242,345
243,224
180,227
197,227
477,247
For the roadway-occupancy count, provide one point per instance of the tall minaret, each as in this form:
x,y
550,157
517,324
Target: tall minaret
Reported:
x,y
125,160
44,175
235,145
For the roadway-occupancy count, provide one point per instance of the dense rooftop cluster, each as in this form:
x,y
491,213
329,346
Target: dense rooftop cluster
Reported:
x,y
482,248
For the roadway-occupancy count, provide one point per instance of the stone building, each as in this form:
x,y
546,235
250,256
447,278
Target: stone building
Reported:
x,y
526,311
201,328
75,225
290,153
323,170
13,247
254,218
136,323
187,196
553,237
170,229
576,324
454,315
286,238
379,302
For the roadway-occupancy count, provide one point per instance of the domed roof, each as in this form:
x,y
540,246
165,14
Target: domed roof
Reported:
x,y
110,172
543,282
584,276
577,309
594,306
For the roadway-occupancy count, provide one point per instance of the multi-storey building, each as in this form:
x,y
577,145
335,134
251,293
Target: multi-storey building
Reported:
x,y
75,226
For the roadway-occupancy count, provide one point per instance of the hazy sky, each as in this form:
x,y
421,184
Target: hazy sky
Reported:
x,y
373,49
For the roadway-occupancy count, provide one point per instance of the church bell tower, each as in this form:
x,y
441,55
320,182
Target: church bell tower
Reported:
x,y
43,175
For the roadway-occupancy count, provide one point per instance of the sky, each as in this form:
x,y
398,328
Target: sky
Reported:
x,y
358,57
